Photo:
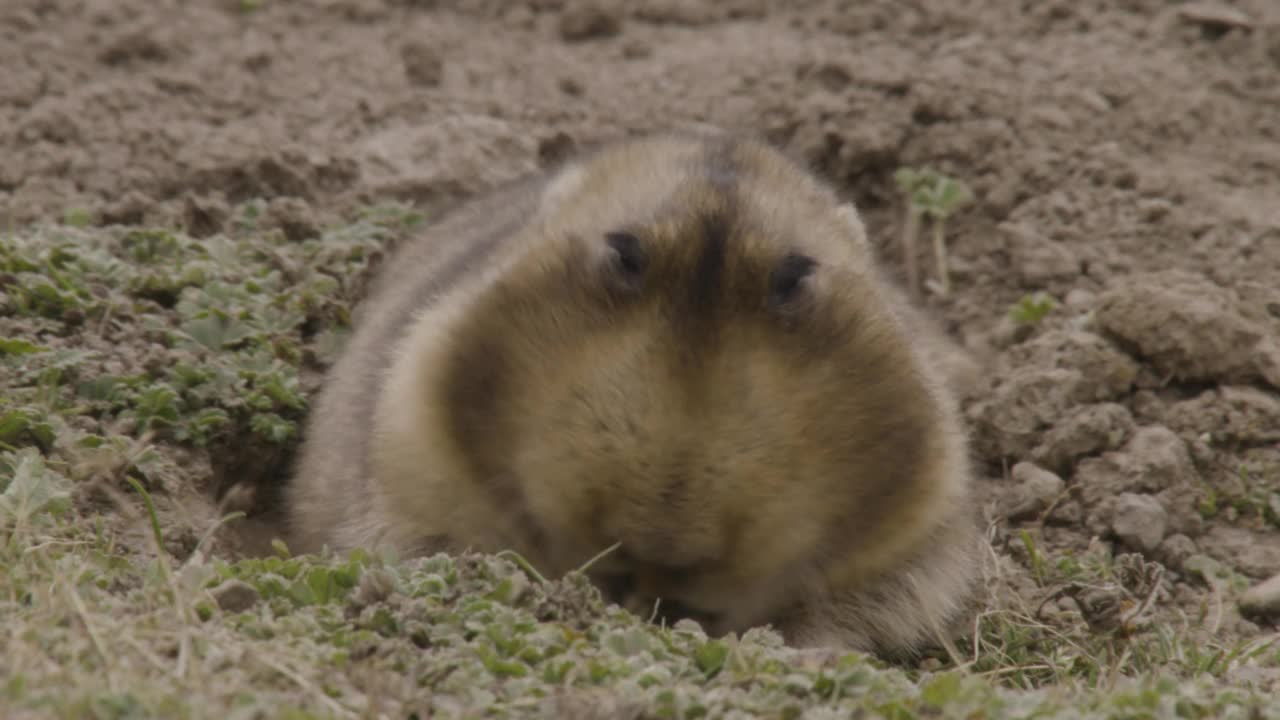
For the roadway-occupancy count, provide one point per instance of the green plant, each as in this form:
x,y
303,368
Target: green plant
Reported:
x,y
77,217
1031,309
935,196
1259,498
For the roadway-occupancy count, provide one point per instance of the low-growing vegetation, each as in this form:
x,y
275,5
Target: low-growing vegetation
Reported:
x,y
132,357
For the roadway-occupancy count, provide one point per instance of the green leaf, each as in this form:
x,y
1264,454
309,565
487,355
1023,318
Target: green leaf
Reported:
x,y
18,346
156,405
711,657
200,428
101,388
77,217
1031,309
147,245
272,427
216,330
32,491
28,422
941,690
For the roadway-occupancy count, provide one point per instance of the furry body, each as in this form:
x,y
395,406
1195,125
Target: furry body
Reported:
x,y
681,344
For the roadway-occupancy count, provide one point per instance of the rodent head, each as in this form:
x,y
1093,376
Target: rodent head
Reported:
x,y
688,353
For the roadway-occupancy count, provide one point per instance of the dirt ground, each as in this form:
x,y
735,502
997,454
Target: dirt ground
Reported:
x,y
1124,156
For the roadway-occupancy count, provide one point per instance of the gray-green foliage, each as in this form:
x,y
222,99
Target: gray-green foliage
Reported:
x,y
222,320
120,345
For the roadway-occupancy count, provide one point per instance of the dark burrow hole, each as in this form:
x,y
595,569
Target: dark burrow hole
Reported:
x,y
249,475
618,588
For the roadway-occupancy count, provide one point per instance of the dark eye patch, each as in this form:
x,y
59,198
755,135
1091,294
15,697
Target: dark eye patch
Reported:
x,y
785,281
627,259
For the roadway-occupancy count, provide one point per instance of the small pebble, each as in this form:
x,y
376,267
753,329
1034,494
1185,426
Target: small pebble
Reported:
x,y
1036,488
1262,599
1139,521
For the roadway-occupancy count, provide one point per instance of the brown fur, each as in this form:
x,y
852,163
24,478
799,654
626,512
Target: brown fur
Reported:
x,y
763,456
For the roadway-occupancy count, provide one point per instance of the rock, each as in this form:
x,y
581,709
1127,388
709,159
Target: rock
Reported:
x,y
235,596
1263,599
1107,371
1034,490
1139,521
1154,462
1089,430
1189,329
1161,456
1042,485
